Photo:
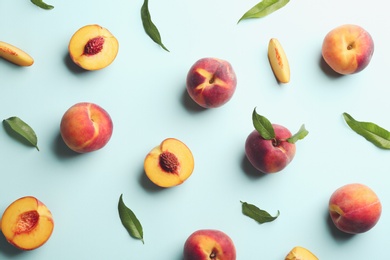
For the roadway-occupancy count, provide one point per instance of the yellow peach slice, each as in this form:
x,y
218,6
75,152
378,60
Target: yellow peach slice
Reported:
x,y
169,164
27,223
300,253
15,55
93,47
278,60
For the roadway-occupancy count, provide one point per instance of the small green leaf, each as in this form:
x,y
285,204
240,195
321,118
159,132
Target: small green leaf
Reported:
x,y
42,4
264,8
263,126
372,132
259,215
302,133
149,26
130,221
19,127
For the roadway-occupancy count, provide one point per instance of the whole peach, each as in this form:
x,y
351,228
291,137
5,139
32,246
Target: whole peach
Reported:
x,y
348,49
209,244
354,208
270,156
211,82
86,127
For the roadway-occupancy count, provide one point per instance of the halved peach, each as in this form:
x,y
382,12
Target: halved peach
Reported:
x,y
169,164
27,223
93,47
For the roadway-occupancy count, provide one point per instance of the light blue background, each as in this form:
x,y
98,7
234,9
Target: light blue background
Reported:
x,y
144,92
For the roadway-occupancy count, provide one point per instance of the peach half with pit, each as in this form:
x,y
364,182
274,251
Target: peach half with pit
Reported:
x,y
93,47
169,164
27,223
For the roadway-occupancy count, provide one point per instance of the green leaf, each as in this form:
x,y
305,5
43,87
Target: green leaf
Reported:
x,y
372,132
130,221
149,26
21,129
259,215
42,5
264,8
263,126
302,133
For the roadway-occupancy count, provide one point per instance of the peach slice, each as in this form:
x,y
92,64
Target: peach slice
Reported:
x,y
169,164
93,47
27,223
15,55
300,253
278,60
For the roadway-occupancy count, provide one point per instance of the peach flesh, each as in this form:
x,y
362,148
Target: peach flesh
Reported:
x,y
169,164
93,47
27,223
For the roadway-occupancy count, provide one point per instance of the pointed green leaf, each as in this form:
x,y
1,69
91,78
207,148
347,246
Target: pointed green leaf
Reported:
x,y
149,26
302,133
263,126
130,221
264,8
42,4
259,215
372,132
23,130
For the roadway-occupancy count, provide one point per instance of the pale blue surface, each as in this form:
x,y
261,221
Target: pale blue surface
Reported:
x,y
144,91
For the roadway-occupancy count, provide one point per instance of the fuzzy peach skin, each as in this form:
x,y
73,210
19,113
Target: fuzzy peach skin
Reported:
x,y
86,127
354,208
348,49
270,156
27,223
209,244
211,82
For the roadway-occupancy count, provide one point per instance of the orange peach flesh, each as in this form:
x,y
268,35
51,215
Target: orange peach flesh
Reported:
x,y
27,223
179,163
104,57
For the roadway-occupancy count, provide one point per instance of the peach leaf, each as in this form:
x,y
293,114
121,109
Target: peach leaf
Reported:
x,y
130,221
373,133
42,4
259,215
263,126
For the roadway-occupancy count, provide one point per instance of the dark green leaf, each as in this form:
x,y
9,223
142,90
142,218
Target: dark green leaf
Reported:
x,y
22,129
264,8
149,26
263,126
130,221
372,132
302,133
42,5
259,215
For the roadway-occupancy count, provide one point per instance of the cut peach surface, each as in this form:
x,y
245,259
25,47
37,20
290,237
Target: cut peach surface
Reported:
x,y
169,164
93,47
27,223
